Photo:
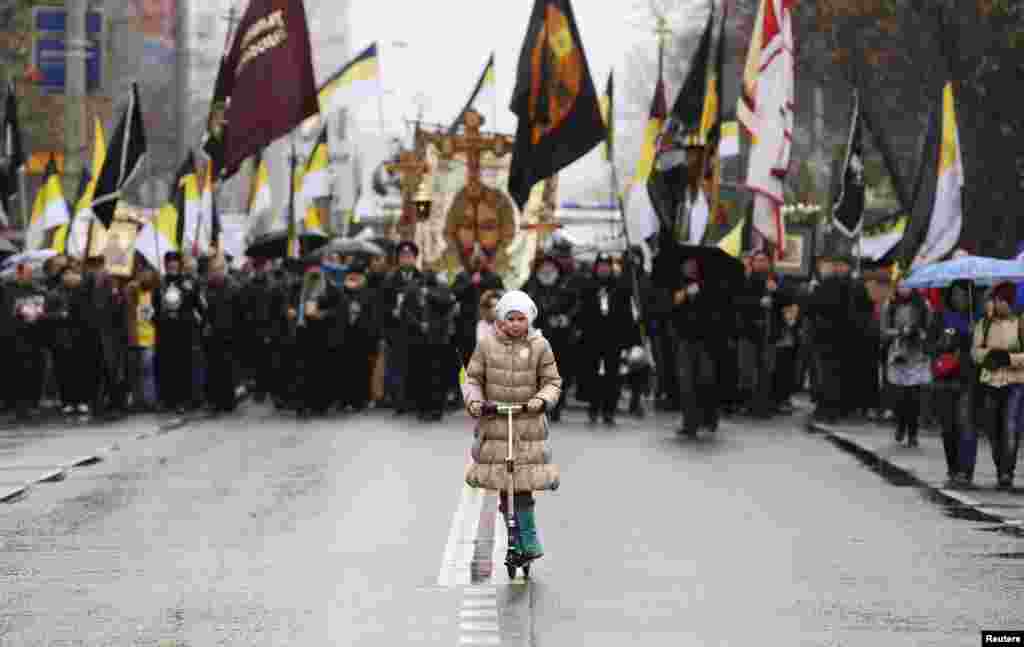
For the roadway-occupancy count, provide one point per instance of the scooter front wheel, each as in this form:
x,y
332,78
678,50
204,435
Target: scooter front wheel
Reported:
x,y
526,571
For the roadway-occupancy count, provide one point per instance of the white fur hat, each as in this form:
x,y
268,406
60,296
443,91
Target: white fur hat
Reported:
x,y
516,301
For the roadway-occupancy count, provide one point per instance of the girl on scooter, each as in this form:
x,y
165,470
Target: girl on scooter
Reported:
x,y
514,366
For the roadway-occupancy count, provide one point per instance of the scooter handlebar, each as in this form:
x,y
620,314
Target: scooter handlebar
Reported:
x,y
499,409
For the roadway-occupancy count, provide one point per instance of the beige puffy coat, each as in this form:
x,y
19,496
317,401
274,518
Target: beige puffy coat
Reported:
x,y
513,371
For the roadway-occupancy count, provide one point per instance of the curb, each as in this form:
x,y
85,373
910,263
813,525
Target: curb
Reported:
x,y
11,496
61,473
945,495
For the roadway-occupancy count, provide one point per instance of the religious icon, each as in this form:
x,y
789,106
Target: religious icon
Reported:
x,y
119,249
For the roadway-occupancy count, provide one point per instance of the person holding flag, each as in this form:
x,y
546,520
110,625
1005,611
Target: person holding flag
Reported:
x,y
180,316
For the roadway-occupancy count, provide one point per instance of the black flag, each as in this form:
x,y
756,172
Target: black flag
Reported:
x,y
268,84
848,207
14,153
670,178
125,151
216,124
559,115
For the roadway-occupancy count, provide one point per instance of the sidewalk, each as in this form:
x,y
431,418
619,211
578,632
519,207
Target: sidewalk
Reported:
x,y
46,451
925,466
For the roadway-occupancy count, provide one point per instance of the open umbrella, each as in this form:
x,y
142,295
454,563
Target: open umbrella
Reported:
x,y
351,247
7,248
977,269
275,244
34,257
716,266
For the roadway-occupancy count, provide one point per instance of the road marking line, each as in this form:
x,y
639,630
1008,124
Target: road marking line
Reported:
x,y
474,603
478,614
482,627
500,538
458,553
482,593
482,567
480,640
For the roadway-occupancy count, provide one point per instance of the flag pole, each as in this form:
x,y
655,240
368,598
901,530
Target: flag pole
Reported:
x,y
637,301
23,190
292,226
494,93
380,94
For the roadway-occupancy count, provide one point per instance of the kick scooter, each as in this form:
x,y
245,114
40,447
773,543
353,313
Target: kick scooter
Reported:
x,y
514,557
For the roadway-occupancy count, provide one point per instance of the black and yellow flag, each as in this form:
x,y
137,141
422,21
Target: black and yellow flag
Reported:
x,y
270,84
608,110
184,191
355,81
125,153
555,100
484,85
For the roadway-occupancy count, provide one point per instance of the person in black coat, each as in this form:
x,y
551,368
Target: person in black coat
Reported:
x,y
24,312
76,348
607,327
357,315
557,311
832,309
222,337
390,305
180,316
260,329
468,288
428,319
699,316
640,373
315,313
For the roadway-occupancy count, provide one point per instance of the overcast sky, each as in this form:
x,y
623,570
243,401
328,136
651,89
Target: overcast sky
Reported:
x,y
449,42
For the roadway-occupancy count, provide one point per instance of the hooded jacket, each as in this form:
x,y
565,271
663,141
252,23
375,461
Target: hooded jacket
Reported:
x,y
509,370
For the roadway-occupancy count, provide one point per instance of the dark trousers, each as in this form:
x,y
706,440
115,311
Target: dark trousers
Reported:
x,y
313,380
785,374
1003,409
221,373
668,371
354,358
174,369
285,369
728,363
522,501
561,346
757,366
427,380
907,407
261,361
831,381
604,383
397,373
78,370
952,407
698,384
28,363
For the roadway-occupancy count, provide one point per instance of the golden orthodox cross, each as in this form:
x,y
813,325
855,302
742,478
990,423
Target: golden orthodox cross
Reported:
x,y
473,144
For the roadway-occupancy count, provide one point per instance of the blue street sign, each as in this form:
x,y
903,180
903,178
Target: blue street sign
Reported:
x,y
49,52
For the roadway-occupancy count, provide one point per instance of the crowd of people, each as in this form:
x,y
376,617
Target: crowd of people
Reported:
x,y
348,333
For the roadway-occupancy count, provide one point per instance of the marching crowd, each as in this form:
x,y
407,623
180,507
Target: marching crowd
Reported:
x,y
340,333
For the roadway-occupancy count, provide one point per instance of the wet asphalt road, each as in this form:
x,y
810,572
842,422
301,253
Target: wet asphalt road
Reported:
x,y
259,530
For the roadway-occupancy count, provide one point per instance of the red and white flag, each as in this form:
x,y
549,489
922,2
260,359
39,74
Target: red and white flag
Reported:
x,y
766,109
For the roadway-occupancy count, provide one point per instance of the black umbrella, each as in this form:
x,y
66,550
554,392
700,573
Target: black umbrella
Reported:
x,y
717,267
275,244
7,248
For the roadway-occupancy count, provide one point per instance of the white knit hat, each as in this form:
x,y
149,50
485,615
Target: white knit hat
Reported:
x,y
516,301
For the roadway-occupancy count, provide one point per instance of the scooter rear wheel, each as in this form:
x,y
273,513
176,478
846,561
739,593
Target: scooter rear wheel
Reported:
x,y
526,571
511,572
